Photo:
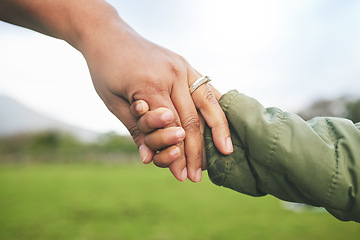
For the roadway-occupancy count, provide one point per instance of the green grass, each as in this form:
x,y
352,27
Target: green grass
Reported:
x,y
130,201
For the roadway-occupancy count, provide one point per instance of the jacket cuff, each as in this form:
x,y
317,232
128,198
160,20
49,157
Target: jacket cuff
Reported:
x,y
232,171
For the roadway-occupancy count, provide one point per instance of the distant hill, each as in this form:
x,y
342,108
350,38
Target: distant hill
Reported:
x,y
16,118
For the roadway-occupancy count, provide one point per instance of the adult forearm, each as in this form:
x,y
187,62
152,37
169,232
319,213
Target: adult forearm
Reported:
x,y
73,21
125,67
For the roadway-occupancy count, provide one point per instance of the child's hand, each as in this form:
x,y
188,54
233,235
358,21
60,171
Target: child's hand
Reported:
x,y
163,142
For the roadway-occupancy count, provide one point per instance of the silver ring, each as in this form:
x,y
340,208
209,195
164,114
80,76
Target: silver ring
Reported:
x,y
198,83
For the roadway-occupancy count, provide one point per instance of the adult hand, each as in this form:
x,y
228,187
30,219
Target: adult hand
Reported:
x,y
161,138
125,67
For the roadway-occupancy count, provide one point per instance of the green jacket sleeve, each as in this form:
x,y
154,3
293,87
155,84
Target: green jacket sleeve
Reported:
x,y
278,153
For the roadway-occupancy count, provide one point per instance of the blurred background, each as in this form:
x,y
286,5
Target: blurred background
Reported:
x,y
69,170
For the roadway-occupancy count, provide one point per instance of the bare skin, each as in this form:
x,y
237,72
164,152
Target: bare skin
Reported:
x,y
124,68
161,138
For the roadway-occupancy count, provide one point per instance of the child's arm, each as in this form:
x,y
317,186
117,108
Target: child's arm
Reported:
x,y
275,152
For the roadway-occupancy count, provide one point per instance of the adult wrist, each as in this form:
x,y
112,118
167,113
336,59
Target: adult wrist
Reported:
x,y
90,23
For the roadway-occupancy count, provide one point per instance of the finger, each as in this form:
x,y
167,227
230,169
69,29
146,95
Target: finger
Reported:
x,y
159,139
121,109
216,92
139,108
167,156
155,119
177,167
190,123
163,138
146,154
206,102
202,129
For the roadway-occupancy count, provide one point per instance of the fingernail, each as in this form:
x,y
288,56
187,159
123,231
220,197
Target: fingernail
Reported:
x,y
175,151
198,175
166,116
180,133
183,175
139,107
229,145
143,152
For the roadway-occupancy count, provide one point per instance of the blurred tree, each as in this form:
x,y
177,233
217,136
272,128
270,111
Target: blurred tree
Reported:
x,y
353,111
113,142
48,142
54,142
344,107
13,144
60,146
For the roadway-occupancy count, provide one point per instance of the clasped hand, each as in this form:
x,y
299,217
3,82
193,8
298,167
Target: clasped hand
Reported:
x,y
124,68
128,68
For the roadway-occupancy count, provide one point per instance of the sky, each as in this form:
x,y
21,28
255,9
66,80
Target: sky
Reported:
x,y
285,54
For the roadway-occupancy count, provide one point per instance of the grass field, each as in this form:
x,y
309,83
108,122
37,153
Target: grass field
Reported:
x,y
88,201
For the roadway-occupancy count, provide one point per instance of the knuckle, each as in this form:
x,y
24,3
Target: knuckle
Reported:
x,y
147,86
135,133
197,155
209,96
176,67
191,123
177,123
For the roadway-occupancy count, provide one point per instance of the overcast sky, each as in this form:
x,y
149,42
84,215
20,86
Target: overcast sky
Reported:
x,y
284,53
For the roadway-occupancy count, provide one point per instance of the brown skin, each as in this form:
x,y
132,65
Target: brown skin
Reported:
x,y
158,136
126,67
